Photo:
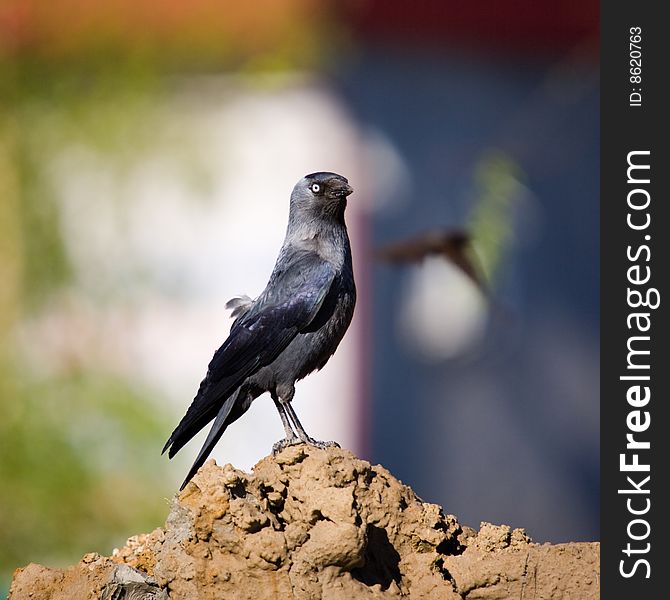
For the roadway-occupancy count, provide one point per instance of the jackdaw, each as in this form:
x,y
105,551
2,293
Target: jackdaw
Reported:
x,y
290,330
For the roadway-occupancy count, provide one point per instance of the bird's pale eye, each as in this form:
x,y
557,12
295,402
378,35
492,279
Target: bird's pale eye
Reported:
x,y
316,188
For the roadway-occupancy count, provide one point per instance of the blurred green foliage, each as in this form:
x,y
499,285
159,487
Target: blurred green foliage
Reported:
x,y
79,451
78,466
498,189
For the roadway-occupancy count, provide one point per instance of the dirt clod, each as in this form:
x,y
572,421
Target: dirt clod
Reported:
x,y
311,524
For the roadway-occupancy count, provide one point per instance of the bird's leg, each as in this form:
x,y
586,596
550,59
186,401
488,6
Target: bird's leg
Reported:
x,y
302,434
291,438
285,421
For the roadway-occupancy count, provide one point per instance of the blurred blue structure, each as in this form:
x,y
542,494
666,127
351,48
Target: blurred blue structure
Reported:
x,y
509,433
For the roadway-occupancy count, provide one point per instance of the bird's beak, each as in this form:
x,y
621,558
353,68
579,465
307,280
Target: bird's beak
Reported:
x,y
344,191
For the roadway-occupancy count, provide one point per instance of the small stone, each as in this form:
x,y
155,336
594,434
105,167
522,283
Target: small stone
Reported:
x,y
90,557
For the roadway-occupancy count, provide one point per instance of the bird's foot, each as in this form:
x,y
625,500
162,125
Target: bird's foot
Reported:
x,y
322,445
277,447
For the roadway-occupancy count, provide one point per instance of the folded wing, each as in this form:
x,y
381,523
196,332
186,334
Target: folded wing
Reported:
x,y
289,303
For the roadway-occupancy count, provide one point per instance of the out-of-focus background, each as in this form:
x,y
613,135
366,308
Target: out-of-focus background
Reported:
x,y
147,153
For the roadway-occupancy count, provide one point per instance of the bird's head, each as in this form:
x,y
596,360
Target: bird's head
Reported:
x,y
321,194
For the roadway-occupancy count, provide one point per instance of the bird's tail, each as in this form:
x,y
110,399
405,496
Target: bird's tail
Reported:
x,y
215,433
192,422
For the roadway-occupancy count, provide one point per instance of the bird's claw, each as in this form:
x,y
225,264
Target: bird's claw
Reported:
x,y
294,441
322,445
277,447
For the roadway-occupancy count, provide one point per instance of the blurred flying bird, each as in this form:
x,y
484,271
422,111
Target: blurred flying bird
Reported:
x,y
448,303
290,330
454,245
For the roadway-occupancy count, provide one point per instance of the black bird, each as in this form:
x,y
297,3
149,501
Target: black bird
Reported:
x,y
290,330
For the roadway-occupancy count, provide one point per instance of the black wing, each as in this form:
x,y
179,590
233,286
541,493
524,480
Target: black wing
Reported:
x,y
289,303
